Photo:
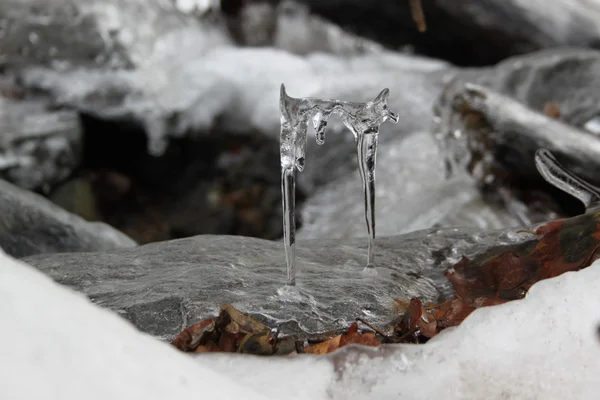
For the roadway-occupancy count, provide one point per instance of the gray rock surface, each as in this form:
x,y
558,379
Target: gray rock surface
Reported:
x,y
30,224
163,287
565,77
39,147
470,32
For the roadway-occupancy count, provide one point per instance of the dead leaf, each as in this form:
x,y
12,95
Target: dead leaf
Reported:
x,y
324,347
191,337
496,277
352,336
552,110
208,347
261,344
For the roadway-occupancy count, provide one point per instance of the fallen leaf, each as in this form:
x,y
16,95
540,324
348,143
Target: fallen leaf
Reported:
x,y
191,337
352,336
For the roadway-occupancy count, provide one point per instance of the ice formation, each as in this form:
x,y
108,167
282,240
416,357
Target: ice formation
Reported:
x,y
559,176
544,346
363,120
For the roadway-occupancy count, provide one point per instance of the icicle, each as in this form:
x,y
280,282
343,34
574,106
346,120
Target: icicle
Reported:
x,y
363,120
559,176
320,123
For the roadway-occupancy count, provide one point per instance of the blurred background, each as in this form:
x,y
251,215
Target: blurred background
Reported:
x,y
160,117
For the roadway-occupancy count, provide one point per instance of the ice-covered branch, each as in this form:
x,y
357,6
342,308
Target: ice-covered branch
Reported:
x,y
363,120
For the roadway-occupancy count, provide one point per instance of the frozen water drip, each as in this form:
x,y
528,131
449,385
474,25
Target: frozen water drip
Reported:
x,y
362,119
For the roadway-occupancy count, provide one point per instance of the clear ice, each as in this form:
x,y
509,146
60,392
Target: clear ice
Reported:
x,y
559,176
362,119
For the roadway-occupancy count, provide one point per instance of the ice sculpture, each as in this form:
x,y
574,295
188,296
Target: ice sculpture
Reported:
x,y
363,120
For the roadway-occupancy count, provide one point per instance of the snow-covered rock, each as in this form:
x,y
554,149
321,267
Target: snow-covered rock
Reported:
x,y
56,345
545,346
31,224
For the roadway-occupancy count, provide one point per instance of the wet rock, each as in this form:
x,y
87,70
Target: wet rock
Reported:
x,y
564,79
476,32
545,99
499,133
39,147
30,224
164,286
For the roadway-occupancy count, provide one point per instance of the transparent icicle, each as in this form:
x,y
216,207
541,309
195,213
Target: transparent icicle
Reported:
x,y
562,178
362,119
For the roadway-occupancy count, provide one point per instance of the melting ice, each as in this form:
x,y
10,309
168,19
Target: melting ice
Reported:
x,y
362,119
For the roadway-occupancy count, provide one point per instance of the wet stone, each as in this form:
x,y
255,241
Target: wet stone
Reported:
x,y
204,272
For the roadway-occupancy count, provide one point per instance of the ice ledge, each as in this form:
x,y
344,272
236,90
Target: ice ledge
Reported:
x,y
54,344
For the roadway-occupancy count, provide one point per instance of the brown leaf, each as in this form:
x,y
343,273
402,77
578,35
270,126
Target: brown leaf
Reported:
x,y
324,347
261,344
352,336
208,347
228,342
552,110
191,337
496,277
243,323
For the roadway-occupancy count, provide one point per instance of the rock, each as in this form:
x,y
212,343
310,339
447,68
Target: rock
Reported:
x,y
565,78
76,196
479,32
87,352
526,348
103,33
163,286
499,133
30,224
39,147
544,346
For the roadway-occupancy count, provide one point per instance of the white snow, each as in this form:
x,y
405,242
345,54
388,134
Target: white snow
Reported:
x,y
54,344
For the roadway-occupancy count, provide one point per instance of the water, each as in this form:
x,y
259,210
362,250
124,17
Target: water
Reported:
x,y
362,119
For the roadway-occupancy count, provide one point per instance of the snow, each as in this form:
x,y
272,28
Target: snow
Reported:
x,y
54,344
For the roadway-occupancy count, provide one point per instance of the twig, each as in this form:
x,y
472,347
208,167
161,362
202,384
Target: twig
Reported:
x,y
418,15
377,331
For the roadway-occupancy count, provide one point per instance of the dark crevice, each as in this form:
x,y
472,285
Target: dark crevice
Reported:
x,y
217,184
